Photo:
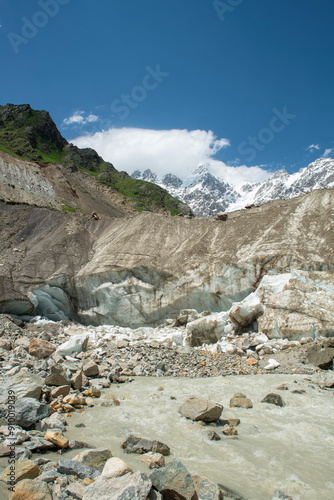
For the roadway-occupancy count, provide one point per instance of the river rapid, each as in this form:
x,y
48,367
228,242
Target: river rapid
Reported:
x,y
289,448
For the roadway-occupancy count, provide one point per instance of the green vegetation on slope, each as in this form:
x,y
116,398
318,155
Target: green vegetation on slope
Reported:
x,y
33,136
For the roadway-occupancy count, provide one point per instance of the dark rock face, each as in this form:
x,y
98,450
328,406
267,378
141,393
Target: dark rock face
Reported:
x,y
29,411
174,482
274,399
135,444
72,467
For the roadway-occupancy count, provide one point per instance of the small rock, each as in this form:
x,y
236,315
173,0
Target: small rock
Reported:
x,y
5,344
62,390
115,467
40,348
153,460
76,490
91,369
95,458
240,401
274,399
57,376
92,392
134,444
229,430
207,490
282,387
57,439
77,445
77,380
75,345
31,490
272,364
213,436
24,469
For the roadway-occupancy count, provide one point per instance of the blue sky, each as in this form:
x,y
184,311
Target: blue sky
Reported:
x,y
167,84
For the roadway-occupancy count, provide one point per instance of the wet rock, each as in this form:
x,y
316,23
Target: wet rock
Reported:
x,y
174,482
280,495
274,399
31,490
135,444
55,421
40,348
230,494
77,445
74,468
239,400
24,469
229,430
153,460
76,490
282,387
38,444
207,490
92,392
115,467
213,436
201,409
91,369
57,376
29,411
95,458
57,439
131,486
24,384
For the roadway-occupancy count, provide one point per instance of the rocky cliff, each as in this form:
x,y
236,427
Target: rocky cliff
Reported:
x,y
138,270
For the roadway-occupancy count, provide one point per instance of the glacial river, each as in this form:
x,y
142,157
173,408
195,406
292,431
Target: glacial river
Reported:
x,y
288,448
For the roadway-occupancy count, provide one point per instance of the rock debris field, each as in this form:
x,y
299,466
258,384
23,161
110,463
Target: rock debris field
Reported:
x,y
51,370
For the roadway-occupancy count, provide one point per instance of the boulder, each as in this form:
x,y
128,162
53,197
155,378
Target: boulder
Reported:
x,y
28,411
135,444
174,482
95,458
130,486
273,399
115,467
207,490
31,490
91,369
74,468
57,439
75,345
40,348
24,469
62,390
57,376
240,401
55,421
24,385
77,380
153,460
201,409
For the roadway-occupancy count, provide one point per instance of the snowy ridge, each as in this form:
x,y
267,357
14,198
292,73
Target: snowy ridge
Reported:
x,y
208,195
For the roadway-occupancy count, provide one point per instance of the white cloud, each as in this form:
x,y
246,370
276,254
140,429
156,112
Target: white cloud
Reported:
x,y
328,152
79,118
313,147
167,151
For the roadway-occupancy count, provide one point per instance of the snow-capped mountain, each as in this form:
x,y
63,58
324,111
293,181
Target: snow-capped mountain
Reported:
x,y
208,195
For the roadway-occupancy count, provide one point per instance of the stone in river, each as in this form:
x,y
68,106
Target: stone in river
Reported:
x,y
240,401
128,487
135,444
274,399
201,409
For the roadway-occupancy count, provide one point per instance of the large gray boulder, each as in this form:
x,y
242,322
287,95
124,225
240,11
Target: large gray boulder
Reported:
x,y
207,490
201,409
24,385
129,487
135,444
174,482
28,411
72,467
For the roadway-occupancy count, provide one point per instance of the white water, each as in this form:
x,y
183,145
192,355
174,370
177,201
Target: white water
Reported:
x,y
288,448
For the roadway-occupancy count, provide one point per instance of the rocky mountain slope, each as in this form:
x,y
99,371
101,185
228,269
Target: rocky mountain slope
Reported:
x,y
139,270
208,195
38,166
